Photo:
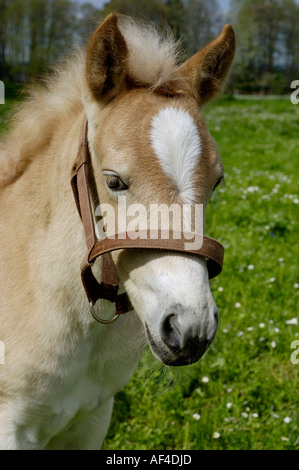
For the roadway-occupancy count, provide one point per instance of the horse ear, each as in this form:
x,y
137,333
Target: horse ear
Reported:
x,y
106,60
207,70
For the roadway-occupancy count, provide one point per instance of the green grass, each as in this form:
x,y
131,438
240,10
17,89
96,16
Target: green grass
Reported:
x,y
252,384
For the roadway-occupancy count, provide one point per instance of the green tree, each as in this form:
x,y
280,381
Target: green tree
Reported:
x,y
155,10
15,30
267,36
202,23
34,33
3,10
89,18
37,18
62,25
175,17
290,38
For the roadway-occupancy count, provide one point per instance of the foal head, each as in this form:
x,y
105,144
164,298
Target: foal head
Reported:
x,y
149,144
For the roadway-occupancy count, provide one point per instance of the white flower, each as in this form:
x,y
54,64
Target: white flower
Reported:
x,y
229,390
281,260
292,321
262,339
205,380
277,330
240,333
250,328
296,285
275,415
262,325
287,420
237,305
252,189
273,344
225,330
244,415
220,289
229,405
272,279
283,438
255,415
216,435
196,416
250,267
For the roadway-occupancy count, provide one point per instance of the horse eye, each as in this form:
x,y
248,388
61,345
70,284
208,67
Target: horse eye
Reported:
x,y
218,182
115,183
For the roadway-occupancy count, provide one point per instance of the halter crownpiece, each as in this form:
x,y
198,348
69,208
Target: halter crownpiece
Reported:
x,y
107,287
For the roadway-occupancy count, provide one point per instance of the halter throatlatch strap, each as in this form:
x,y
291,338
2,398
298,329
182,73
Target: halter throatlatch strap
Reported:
x,y
107,287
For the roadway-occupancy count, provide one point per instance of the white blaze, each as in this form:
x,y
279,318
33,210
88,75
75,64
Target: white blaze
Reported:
x,y
176,143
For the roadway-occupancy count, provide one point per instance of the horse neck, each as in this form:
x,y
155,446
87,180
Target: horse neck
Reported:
x,y
54,231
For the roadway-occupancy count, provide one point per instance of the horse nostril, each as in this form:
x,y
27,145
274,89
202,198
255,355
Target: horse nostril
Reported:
x,y
170,334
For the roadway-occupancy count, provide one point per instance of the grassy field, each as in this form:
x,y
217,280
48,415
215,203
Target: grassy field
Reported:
x,y
243,394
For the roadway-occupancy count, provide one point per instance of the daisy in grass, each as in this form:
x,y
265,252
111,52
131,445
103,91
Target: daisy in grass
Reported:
x,y
196,416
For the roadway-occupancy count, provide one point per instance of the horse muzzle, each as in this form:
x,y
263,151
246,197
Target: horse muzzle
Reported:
x,y
179,342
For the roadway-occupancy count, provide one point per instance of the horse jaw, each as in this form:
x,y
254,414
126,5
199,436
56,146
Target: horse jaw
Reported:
x,y
172,296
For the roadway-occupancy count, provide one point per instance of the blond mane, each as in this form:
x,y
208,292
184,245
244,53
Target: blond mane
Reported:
x,y
153,58
33,123
153,54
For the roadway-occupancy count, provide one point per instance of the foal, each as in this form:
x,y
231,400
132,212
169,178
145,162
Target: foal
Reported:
x,y
149,144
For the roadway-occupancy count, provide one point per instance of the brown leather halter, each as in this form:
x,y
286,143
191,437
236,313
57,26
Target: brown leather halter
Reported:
x,y
107,287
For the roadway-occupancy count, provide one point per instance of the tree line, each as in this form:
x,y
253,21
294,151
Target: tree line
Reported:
x,y
35,33
267,56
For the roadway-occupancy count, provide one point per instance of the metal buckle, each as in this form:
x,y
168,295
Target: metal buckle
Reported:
x,y
100,320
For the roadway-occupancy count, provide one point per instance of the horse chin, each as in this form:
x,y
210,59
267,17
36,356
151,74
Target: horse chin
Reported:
x,y
172,358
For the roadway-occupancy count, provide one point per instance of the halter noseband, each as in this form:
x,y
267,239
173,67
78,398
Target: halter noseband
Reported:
x,y
107,287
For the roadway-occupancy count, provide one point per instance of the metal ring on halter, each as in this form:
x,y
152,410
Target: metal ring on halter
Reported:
x,y
100,320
